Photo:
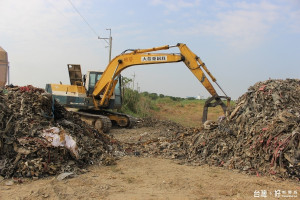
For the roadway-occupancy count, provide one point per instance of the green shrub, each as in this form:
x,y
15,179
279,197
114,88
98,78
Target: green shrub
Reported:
x,y
141,104
130,99
153,96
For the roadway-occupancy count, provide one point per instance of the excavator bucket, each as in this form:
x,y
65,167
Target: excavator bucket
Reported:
x,y
213,102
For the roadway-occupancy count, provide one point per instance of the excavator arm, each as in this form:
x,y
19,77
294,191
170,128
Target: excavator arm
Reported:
x,y
105,86
195,64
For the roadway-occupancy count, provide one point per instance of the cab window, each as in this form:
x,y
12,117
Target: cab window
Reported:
x,y
94,77
92,80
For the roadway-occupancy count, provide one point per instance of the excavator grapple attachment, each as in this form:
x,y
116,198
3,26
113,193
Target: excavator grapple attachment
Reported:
x,y
213,102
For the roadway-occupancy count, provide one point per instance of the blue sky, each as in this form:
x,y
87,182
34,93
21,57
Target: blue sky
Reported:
x,y
241,42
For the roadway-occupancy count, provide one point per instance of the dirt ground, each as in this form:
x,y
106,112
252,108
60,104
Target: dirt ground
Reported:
x,y
137,177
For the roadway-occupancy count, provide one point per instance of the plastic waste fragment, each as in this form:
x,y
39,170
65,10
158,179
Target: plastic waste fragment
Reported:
x,y
64,175
59,137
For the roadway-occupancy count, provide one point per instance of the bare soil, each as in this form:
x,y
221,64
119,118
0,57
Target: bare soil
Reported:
x,y
187,113
136,177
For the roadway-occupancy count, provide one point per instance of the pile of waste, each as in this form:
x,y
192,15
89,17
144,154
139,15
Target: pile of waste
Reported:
x,y
38,137
167,140
261,134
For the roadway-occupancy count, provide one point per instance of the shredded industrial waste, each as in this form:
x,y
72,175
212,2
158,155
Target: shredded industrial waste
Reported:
x,y
38,137
260,135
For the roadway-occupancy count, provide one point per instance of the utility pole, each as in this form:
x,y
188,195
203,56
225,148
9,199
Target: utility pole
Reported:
x,y
137,87
133,80
109,43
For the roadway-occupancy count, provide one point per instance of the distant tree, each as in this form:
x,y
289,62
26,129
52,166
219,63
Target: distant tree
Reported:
x,y
173,98
153,96
190,98
145,94
161,95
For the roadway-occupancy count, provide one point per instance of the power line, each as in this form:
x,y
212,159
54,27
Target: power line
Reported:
x,y
105,39
83,18
75,25
61,13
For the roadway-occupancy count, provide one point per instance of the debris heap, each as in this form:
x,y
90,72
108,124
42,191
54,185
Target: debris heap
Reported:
x,y
260,135
38,137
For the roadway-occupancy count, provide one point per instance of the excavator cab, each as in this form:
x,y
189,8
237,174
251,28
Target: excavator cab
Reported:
x,y
92,77
89,81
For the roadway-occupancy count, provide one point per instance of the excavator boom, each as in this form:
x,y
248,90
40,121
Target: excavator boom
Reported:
x,y
106,83
105,86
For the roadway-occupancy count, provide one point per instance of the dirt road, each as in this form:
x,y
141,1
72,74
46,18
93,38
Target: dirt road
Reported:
x,y
137,177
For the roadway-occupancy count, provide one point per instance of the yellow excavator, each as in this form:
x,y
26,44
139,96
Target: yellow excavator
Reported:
x,y
96,93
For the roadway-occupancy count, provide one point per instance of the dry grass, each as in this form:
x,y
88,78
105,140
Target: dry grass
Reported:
x,y
187,112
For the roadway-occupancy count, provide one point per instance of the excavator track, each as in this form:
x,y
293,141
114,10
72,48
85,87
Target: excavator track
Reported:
x,y
103,119
100,122
132,121
120,119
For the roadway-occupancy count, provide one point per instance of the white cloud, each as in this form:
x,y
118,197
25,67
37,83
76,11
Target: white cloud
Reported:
x,y
244,24
130,12
172,6
128,30
31,20
41,37
294,21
